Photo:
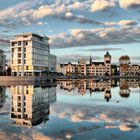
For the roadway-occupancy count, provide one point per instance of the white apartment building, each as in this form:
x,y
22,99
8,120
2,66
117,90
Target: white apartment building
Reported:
x,y
30,54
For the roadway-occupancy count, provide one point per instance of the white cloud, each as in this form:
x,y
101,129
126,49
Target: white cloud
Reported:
x,y
129,3
127,22
76,5
99,5
40,23
99,36
43,11
49,10
69,14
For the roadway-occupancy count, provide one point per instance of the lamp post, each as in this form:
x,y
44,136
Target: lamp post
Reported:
x,y
6,68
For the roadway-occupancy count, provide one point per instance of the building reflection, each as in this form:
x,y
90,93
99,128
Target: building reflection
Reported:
x,y
30,105
92,86
126,84
2,96
84,86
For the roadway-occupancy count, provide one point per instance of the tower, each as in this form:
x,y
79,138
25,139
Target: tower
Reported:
x,y
90,60
107,58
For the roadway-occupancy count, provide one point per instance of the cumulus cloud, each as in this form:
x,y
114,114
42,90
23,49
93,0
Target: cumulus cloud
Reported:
x,y
100,5
15,11
46,10
99,36
80,19
129,3
76,5
127,23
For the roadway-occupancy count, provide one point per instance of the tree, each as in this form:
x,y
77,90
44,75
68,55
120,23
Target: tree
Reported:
x,y
125,59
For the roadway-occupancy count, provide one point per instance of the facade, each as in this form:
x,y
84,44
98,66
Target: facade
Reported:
x,y
91,68
52,63
30,54
129,69
30,105
2,62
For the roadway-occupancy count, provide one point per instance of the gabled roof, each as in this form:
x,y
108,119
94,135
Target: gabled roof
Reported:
x,y
107,54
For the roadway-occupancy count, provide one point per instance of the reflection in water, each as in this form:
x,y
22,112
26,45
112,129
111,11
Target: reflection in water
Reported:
x,y
30,104
100,86
2,96
72,117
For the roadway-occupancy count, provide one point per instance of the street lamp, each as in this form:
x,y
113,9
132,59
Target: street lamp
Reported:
x,y
6,68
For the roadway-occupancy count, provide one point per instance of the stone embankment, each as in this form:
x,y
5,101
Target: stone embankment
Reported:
x,y
31,80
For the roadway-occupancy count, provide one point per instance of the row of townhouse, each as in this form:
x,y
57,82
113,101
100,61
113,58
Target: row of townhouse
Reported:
x,y
91,68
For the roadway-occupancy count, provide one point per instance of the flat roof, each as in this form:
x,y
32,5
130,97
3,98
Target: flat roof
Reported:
x,y
24,34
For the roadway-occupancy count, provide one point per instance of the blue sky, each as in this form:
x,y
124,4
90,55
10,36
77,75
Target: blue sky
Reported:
x,y
76,27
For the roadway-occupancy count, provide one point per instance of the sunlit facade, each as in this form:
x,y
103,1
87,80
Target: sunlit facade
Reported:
x,y
129,69
30,54
91,68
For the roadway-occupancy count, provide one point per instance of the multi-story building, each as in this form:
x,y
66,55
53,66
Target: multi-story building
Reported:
x,y
92,86
2,62
30,105
91,68
129,69
52,63
30,54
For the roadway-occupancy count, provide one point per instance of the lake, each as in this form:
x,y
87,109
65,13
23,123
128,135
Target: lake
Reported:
x,y
71,110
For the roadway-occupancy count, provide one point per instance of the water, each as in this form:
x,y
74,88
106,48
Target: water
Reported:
x,y
77,110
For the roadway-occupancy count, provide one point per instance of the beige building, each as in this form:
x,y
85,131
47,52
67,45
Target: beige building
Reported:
x,y
129,69
91,68
30,105
82,86
2,62
30,54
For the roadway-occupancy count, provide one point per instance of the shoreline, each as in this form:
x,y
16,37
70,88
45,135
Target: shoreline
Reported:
x,y
59,78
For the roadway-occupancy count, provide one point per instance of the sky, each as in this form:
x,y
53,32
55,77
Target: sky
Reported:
x,y
76,28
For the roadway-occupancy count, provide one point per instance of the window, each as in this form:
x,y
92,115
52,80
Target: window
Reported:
x,y
19,55
19,104
19,110
19,43
12,50
26,43
19,61
27,67
19,49
24,61
19,98
25,36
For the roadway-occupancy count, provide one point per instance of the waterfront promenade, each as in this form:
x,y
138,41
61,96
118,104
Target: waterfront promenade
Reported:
x,y
33,79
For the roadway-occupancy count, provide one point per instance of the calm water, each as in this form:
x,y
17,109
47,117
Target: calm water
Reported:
x,y
77,110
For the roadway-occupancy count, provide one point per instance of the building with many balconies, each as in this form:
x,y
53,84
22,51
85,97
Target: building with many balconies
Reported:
x,y
30,55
